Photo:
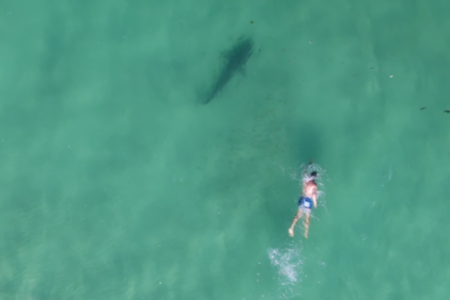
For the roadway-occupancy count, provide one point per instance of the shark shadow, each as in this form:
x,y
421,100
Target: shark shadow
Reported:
x,y
235,60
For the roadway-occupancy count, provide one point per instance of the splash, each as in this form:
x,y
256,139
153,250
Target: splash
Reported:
x,y
289,269
288,262
301,173
308,169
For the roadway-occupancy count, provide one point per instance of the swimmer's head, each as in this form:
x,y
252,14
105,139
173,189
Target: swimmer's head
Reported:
x,y
313,175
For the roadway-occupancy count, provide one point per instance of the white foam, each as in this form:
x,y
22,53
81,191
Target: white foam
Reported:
x,y
288,263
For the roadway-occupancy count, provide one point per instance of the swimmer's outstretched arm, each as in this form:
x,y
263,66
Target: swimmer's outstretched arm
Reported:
x,y
314,198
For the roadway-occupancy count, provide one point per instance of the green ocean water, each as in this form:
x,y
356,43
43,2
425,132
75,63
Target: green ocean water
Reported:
x,y
117,183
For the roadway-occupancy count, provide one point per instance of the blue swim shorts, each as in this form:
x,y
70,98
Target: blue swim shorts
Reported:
x,y
305,204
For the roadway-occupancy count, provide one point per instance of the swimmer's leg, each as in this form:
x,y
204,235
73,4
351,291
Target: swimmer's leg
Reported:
x,y
296,218
306,224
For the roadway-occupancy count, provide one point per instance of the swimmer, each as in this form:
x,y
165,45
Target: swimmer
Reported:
x,y
305,203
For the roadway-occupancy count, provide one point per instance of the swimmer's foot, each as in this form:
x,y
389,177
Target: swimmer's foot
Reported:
x,y
291,232
306,234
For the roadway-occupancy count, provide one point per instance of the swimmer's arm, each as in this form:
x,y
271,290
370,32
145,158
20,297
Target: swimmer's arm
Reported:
x,y
315,197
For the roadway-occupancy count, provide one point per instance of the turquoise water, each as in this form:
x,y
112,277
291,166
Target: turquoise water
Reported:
x,y
117,184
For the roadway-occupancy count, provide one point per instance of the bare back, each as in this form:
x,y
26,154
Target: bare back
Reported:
x,y
310,189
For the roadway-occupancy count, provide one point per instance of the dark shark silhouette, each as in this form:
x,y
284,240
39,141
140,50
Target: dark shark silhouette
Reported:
x,y
235,60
